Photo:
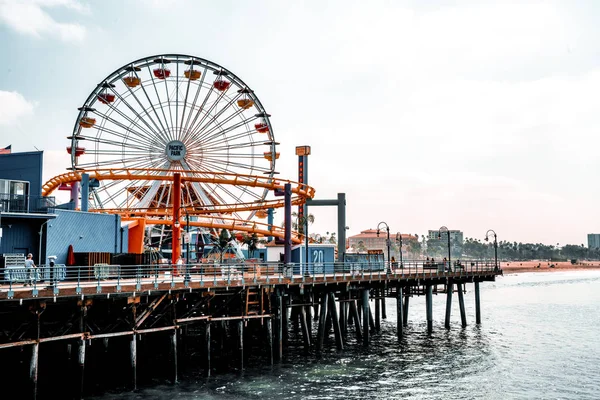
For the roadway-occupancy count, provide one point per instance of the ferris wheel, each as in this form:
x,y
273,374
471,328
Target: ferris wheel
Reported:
x,y
173,113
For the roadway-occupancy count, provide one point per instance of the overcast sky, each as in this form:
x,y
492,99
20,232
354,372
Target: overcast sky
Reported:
x,y
473,115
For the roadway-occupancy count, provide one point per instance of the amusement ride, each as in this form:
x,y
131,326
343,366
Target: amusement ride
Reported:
x,y
175,140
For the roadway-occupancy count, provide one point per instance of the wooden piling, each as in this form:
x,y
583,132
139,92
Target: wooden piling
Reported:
x,y
382,299
322,322
174,353
304,327
279,332
406,302
270,339
399,312
241,343
33,368
133,357
336,322
207,342
366,312
477,305
461,303
377,309
356,317
81,350
449,290
429,305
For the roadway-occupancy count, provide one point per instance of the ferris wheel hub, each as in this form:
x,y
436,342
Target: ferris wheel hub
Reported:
x,y
175,150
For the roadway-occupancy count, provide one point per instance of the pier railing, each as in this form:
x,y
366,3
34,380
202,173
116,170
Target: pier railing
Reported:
x,y
160,276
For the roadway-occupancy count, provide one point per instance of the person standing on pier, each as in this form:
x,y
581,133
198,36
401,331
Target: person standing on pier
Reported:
x,y
30,267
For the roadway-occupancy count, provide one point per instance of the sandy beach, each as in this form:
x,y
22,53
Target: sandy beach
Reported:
x,y
547,266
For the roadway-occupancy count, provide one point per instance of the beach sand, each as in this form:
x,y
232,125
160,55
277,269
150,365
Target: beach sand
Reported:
x,y
512,267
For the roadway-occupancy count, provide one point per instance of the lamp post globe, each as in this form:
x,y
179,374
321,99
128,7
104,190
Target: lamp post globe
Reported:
x,y
387,242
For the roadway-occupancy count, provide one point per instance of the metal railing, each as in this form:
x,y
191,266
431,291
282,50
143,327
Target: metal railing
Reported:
x,y
26,204
136,277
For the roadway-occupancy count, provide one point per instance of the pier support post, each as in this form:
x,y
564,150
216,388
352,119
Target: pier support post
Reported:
x,y
406,302
382,295
241,343
477,305
336,322
33,368
304,327
286,319
270,339
366,312
279,328
377,292
174,353
429,301
308,310
449,290
207,340
322,322
356,317
133,351
81,349
461,303
400,312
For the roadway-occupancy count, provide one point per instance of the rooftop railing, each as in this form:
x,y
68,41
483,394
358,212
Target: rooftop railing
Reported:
x,y
14,203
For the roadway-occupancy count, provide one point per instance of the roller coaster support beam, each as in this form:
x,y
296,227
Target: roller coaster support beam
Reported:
x,y
85,191
287,256
175,245
340,202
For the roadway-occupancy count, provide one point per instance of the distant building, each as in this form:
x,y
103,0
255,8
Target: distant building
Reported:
x,y
455,235
593,240
368,240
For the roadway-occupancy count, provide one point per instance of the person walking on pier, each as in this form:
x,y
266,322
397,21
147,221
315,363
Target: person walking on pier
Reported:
x,y
31,269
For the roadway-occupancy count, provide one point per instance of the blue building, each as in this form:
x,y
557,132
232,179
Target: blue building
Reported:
x,y
30,223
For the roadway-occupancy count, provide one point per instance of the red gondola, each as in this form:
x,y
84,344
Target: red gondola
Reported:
x,y
162,73
78,151
261,127
221,85
106,98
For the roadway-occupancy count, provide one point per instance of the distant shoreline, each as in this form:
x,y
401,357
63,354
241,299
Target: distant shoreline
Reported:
x,y
547,266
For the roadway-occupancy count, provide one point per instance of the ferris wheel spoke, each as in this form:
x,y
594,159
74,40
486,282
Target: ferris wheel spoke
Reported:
x,y
137,115
115,161
162,109
110,142
143,87
199,86
221,139
219,134
172,126
201,107
158,129
221,95
200,130
141,138
202,111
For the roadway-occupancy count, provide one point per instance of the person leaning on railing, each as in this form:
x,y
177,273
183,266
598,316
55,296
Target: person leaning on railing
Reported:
x,y
31,269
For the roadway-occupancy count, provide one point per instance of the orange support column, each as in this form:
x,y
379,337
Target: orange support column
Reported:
x,y
176,245
136,236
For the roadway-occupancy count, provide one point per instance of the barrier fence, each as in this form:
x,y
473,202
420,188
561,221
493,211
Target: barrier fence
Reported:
x,y
59,276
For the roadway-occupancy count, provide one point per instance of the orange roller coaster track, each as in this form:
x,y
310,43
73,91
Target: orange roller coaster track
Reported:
x,y
210,216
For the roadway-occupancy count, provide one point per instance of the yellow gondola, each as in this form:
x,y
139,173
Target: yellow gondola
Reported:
x,y
245,103
192,74
269,155
131,81
87,122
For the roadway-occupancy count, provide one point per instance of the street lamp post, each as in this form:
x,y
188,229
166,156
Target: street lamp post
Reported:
x,y
399,239
387,242
495,247
444,229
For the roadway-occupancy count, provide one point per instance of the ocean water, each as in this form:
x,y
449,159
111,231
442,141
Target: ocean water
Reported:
x,y
539,339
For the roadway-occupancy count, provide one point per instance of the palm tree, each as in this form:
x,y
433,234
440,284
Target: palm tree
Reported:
x,y
251,241
222,242
301,221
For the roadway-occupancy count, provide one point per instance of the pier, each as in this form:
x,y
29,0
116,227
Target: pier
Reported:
x,y
234,311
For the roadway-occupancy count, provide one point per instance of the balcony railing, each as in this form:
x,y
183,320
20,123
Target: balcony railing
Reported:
x,y
14,203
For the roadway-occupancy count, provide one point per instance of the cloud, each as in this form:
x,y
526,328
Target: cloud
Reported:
x,y
13,106
28,17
